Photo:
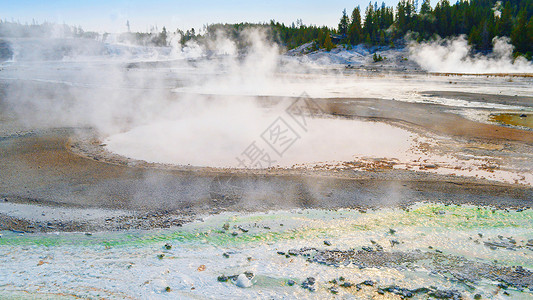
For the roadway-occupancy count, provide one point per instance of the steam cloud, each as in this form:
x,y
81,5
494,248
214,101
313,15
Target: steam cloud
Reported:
x,y
454,56
110,87
195,104
169,104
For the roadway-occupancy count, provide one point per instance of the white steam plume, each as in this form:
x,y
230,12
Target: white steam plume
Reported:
x,y
454,56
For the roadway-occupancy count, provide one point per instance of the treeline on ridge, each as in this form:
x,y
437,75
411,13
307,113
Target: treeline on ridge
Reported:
x,y
380,25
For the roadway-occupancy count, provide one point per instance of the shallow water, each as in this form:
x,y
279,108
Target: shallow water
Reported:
x,y
226,136
126,264
516,119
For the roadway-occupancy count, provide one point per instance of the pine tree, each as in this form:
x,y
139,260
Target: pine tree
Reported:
x,y
327,43
529,35
425,9
368,27
506,21
519,34
163,37
355,32
443,18
343,24
401,18
382,38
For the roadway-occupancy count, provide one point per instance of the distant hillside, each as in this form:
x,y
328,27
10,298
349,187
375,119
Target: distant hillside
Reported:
x,y
479,20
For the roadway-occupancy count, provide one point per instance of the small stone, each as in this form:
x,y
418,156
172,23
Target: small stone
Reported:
x,y
160,256
446,294
369,282
168,289
225,226
334,290
234,233
293,252
392,231
281,253
309,284
477,296
249,274
367,249
225,255
341,278
290,282
480,235
222,278
88,234
243,281
346,284
243,229
168,246
394,242
327,243
233,277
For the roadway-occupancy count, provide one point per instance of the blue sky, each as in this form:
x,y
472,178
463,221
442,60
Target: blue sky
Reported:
x,y
111,16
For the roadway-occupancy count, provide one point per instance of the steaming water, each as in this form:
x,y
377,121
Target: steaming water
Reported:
x,y
113,95
151,108
126,264
218,141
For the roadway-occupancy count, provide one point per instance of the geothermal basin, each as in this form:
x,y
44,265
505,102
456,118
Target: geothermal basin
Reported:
x,y
316,184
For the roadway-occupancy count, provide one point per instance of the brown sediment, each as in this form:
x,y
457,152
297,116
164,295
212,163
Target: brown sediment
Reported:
x,y
53,167
526,101
430,117
514,119
433,117
40,167
526,75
